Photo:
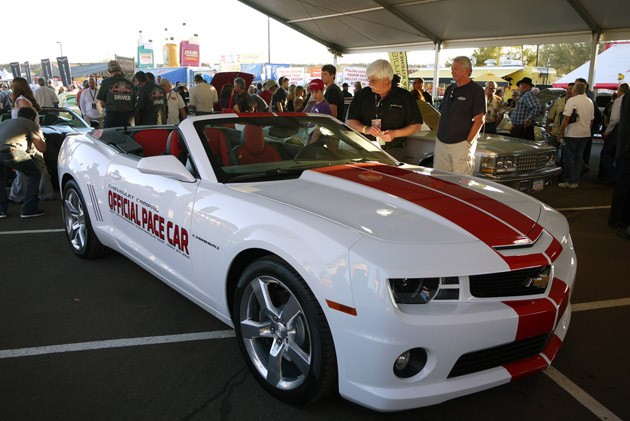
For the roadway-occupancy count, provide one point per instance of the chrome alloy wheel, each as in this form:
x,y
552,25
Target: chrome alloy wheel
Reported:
x,y
275,333
74,215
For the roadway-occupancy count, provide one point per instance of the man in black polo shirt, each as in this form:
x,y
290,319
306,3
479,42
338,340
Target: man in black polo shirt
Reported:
x,y
463,109
395,107
333,93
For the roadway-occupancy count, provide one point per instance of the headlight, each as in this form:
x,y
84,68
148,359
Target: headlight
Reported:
x,y
488,164
551,159
414,290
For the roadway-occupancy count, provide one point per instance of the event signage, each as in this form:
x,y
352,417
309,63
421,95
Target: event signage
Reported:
x,y
189,54
47,69
398,61
27,72
352,75
145,57
127,65
15,69
64,70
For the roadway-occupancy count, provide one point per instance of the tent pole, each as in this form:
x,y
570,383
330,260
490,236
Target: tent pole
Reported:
x,y
436,70
594,52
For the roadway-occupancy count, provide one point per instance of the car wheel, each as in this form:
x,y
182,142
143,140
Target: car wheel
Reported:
x,y
283,334
79,232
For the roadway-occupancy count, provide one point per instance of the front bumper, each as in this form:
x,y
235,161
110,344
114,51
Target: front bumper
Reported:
x,y
530,182
446,333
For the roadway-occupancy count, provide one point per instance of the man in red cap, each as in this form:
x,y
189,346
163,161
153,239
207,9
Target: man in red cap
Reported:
x,y
321,106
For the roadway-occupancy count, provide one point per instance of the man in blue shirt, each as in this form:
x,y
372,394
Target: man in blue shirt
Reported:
x,y
525,111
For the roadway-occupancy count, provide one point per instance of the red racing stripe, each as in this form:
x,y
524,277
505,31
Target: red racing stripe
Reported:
x,y
503,212
524,368
493,222
552,348
560,295
535,317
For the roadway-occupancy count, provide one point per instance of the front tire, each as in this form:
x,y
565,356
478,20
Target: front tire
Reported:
x,y
79,232
283,334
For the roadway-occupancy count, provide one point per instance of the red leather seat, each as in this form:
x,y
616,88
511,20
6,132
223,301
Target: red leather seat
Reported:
x,y
255,150
218,144
153,141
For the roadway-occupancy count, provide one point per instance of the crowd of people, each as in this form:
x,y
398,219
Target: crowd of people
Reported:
x,y
383,111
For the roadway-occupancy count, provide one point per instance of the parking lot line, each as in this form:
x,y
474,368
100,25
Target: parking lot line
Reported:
x,y
581,396
31,231
115,343
596,305
583,208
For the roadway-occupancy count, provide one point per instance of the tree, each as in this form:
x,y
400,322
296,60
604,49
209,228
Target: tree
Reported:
x,y
565,57
487,53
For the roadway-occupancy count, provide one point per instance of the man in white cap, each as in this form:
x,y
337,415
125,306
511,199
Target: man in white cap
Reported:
x,y
176,111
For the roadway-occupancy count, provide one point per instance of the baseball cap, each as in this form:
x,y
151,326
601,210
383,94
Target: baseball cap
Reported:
x,y
113,66
316,85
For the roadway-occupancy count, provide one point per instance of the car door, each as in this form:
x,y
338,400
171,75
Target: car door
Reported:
x,y
152,215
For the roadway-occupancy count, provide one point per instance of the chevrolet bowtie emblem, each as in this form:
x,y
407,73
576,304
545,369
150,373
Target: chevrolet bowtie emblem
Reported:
x,y
539,281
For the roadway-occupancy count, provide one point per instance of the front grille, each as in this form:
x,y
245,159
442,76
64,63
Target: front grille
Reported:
x,y
494,357
505,284
529,163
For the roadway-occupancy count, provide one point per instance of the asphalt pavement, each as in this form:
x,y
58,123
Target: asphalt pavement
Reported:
x,y
105,340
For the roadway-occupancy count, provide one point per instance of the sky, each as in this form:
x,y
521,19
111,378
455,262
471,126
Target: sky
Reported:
x,y
225,27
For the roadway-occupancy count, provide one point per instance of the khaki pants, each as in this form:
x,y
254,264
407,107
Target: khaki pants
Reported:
x,y
455,157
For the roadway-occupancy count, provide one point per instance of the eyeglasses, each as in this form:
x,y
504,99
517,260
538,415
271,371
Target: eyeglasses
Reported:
x,y
372,81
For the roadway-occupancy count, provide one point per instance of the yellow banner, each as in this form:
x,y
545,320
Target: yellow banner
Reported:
x,y
398,61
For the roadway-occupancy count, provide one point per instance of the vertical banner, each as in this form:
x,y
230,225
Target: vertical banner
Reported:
x,y
64,70
398,61
15,69
47,69
27,72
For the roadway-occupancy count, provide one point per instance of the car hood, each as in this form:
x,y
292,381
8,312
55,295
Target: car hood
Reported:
x,y
499,144
409,204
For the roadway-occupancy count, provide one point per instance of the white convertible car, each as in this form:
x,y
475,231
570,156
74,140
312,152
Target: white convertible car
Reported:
x,y
339,268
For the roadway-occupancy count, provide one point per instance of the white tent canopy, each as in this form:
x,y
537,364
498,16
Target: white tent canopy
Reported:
x,y
611,68
5,75
357,26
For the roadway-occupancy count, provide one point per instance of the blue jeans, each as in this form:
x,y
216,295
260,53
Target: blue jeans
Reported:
x,y
572,158
20,161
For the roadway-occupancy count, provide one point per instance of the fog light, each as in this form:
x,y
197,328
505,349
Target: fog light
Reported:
x,y
402,361
410,363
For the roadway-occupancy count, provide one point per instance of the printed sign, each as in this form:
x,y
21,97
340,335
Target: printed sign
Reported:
x,y
64,70
398,60
15,69
47,69
27,71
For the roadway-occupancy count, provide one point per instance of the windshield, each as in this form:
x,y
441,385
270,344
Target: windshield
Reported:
x,y
263,147
60,117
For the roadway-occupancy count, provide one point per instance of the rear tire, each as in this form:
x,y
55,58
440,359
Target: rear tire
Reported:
x,y
283,334
79,232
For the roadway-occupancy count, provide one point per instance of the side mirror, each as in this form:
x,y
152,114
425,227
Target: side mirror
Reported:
x,y
166,165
